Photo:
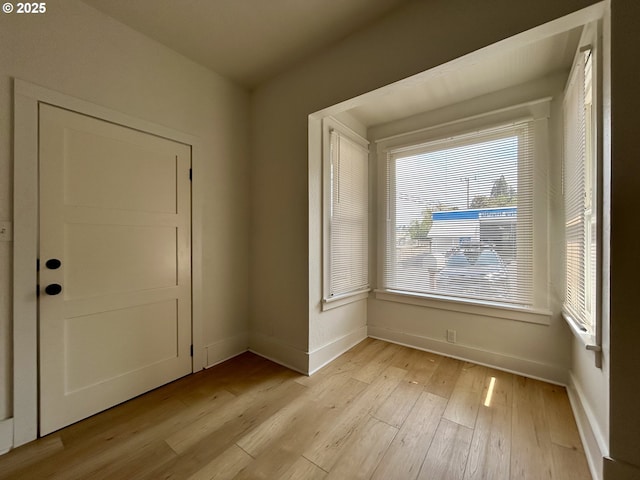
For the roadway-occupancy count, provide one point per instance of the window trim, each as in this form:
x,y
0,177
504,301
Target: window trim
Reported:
x,y
538,316
537,110
345,299
328,301
592,39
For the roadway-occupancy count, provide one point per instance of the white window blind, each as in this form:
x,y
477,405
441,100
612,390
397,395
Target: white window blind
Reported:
x,y
579,189
348,216
460,216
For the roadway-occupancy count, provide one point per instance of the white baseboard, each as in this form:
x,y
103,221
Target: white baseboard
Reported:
x,y
593,441
279,352
325,354
520,366
225,349
6,435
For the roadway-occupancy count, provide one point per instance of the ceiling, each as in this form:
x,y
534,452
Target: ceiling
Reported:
x,y
247,41
507,67
251,41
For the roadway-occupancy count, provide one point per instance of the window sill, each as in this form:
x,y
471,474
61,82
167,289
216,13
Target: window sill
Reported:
x,y
488,309
335,302
588,339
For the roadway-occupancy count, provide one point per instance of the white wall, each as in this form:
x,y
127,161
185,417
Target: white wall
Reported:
x,y
75,50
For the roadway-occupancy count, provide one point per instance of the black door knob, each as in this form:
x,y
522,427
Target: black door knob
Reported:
x,y
53,264
53,289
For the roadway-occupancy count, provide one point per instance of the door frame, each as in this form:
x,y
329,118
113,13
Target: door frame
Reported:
x,y
27,97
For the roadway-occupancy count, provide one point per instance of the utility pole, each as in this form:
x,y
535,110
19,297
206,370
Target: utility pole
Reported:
x,y
467,180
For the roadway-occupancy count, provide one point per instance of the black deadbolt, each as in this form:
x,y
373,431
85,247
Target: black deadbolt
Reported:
x,y
53,264
53,289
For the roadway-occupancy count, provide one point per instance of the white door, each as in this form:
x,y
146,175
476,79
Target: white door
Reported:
x,y
115,214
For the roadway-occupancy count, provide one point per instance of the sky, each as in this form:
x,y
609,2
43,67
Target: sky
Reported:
x,y
440,176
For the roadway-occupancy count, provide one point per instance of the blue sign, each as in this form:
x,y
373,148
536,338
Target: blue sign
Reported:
x,y
476,214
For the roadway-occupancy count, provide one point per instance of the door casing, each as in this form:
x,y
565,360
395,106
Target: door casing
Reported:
x,y
27,97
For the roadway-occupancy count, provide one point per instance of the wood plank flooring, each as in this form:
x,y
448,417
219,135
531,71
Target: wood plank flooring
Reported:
x,y
380,411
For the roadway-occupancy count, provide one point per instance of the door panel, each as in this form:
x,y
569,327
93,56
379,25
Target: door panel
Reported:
x,y
115,210
90,341
111,176
102,259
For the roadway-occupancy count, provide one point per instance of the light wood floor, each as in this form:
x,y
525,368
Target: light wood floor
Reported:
x,y
380,411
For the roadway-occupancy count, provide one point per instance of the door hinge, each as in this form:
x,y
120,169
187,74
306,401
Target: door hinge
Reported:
x,y
190,174
38,290
37,264
191,350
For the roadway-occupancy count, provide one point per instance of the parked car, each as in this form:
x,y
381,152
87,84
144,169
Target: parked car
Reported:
x,y
476,271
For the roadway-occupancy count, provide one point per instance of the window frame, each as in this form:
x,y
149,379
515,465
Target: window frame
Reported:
x,y
591,334
330,301
537,111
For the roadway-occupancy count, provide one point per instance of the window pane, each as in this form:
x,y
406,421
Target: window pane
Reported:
x,y
460,217
348,219
579,188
